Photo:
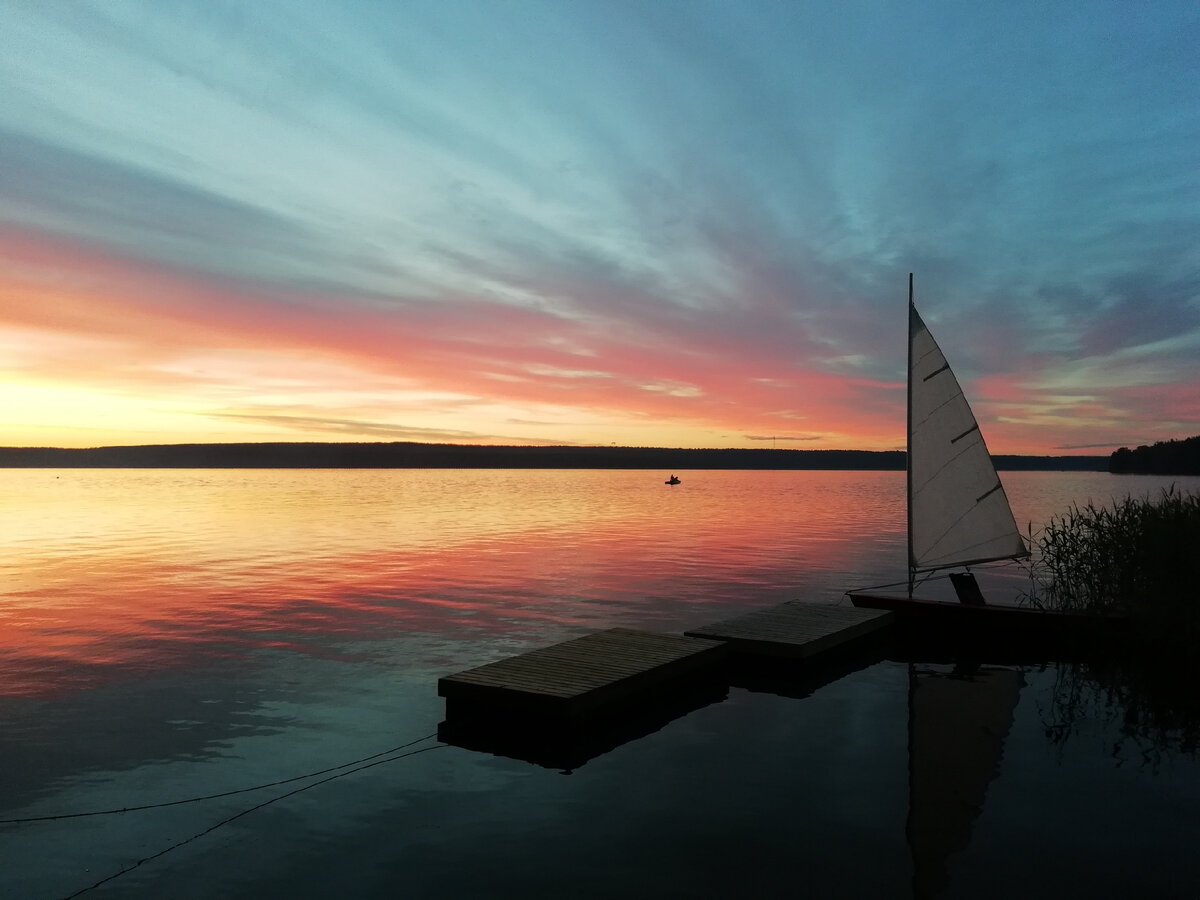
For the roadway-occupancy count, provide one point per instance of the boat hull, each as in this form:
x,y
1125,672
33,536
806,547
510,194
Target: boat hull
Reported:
x,y
1049,630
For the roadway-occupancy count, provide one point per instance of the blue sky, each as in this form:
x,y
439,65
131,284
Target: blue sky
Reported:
x,y
673,223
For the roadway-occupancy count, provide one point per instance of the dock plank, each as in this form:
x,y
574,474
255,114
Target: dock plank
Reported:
x,y
581,676
795,629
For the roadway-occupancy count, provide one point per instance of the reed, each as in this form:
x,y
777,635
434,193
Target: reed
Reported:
x,y
1139,557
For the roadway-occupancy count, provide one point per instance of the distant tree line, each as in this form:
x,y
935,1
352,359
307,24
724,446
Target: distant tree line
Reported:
x,y
1180,457
410,455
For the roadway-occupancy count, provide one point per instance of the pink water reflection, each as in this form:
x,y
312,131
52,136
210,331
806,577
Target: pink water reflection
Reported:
x,y
112,571
119,570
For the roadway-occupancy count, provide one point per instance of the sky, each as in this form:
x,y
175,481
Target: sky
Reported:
x,y
673,223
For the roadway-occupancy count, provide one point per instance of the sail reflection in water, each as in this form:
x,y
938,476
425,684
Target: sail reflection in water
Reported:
x,y
958,721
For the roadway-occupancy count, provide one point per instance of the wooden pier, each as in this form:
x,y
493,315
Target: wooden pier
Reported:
x,y
561,705
579,677
582,677
795,629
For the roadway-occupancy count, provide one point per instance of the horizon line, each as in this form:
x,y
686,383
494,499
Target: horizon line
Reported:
x,y
531,447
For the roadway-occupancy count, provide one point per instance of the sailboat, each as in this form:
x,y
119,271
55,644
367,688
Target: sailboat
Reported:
x,y
958,513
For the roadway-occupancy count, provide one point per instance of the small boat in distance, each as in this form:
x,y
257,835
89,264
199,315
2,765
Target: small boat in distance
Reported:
x,y
958,513
672,480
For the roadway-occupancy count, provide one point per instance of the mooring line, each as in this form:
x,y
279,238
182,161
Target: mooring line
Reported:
x,y
244,812
257,787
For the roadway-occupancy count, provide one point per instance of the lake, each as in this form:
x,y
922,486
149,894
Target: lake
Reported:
x,y
168,635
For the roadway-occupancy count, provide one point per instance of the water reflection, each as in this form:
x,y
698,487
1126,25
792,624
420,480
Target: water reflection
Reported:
x,y
165,634
1148,707
958,721
121,571
128,570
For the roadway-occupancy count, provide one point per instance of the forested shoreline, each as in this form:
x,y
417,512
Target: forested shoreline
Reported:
x,y
399,455
1181,457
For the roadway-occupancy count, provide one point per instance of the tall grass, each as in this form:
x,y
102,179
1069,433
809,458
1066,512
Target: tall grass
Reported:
x,y
1139,557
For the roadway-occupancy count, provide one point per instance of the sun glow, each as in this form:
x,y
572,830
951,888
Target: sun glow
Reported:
x,y
69,416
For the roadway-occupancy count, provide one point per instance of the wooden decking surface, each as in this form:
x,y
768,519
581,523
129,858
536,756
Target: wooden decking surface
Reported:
x,y
795,629
613,672
581,676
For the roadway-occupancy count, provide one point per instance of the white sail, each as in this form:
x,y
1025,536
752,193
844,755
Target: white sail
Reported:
x,y
958,511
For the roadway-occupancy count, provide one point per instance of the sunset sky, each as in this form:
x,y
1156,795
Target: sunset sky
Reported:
x,y
659,222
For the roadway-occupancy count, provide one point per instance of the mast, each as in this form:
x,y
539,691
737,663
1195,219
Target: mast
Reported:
x,y
912,572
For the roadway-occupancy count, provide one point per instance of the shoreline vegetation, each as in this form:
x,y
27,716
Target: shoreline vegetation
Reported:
x,y
1135,558
413,455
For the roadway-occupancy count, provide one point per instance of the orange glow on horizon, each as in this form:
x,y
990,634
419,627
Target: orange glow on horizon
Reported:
x,y
115,353
105,351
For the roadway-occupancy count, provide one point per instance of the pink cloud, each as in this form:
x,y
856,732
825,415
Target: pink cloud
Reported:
x,y
714,369
107,321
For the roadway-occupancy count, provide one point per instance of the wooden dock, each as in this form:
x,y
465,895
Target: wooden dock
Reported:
x,y
580,678
795,629
561,705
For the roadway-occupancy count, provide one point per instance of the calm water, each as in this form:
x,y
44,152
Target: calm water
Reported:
x,y
168,634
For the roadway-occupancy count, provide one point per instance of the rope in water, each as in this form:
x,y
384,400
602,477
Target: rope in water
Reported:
x,y
244,812
257,787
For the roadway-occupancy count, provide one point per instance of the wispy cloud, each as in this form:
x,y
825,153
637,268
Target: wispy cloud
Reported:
x,y
359,428
674,222
782,437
